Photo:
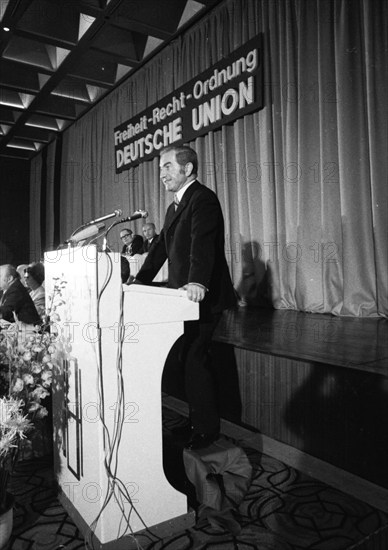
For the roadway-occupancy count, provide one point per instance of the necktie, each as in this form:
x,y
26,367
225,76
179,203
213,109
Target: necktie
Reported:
x,y
176,201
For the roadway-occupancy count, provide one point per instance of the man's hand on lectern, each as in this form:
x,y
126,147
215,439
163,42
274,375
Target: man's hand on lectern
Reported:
x,y
195,291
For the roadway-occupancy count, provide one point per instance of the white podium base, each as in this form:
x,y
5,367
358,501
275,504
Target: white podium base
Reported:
x,y
130,542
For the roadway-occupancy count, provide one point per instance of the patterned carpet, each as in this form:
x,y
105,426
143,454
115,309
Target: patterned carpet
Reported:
x,y
282,510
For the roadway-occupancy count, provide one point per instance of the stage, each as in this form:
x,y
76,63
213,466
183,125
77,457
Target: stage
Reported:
x,y
317,383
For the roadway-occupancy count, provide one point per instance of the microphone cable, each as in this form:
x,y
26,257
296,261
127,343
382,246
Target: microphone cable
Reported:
x,y
111,442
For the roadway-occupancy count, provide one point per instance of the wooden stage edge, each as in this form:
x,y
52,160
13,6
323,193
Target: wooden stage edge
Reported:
x,y
335,477
359,343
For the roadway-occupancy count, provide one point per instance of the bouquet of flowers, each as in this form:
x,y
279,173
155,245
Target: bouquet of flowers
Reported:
x,y
14,425
27,359
28,368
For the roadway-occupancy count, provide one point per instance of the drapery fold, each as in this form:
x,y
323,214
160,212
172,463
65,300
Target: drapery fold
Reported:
x,y
302,182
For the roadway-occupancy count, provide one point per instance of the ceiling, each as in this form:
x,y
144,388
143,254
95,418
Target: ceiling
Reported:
x,y
59,57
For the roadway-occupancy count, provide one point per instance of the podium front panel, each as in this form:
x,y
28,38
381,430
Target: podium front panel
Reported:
x,y
107,394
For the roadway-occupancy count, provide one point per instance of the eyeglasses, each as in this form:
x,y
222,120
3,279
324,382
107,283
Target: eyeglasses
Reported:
x,y
124,236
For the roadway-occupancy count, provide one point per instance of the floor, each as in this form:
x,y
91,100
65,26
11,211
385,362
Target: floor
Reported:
x,y
283,509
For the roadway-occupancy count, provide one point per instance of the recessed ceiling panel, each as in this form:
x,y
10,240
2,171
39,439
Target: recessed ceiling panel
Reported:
x,y
30,52
6,115
58,107
48,123
14,75
10,98
158,14
51,19
116,41
23,144
33,134
96,68
74,89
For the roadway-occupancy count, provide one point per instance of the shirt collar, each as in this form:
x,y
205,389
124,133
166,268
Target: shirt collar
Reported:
x,y
179,194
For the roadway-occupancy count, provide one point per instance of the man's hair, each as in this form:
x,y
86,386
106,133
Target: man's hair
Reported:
x,y
149,223
127,230
10,271
183,154
36,271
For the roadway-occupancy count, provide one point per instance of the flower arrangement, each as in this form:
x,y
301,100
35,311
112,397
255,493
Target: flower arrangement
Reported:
x,y
29,368
27,362
29,357
14,425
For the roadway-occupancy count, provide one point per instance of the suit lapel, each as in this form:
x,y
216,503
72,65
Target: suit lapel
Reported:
x,y
172,214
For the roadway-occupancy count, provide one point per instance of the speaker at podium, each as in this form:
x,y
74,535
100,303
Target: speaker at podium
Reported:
x,y
113,343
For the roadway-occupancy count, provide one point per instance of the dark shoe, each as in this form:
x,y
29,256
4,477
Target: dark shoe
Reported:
x,y
200,441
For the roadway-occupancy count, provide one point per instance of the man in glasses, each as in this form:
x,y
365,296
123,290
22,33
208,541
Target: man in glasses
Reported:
x,y
132,244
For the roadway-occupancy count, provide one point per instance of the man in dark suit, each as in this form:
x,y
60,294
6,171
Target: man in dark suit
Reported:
x,y
15,300
133,244
150,236
192,239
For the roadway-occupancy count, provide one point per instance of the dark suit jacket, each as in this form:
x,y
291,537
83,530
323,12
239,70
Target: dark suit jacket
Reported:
x,y
192,239
17,299
148,245
136,246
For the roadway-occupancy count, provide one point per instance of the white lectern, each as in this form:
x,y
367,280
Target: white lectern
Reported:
x,y
114,341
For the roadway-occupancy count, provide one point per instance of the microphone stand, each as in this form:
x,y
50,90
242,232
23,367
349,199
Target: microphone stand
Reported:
x,y
105,236
138,214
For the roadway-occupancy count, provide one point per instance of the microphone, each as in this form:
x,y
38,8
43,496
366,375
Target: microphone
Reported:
x,y
135,216
114,214
85,233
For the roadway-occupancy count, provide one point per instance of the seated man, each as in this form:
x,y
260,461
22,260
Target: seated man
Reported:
x,y
133,244
15,300
34,277
150,236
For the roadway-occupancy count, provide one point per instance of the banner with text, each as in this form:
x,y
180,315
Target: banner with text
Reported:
x,y
228,90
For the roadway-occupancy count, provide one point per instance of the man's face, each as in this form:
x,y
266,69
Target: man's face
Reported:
x,y
148,232
5,279
126,237
172,174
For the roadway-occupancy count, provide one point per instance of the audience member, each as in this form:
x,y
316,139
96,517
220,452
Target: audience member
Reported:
x,y
133,244
16,302
126,235
20,269
150,236
34,276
